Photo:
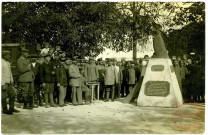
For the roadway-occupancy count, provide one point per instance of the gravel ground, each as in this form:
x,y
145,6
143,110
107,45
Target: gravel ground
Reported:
x,y
106,118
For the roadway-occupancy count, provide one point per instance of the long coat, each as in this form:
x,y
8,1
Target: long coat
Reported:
x,y
61,76
110,76
73,75
6,73
36,71
101,71
131,76
26,74
46,73
119,75
91,72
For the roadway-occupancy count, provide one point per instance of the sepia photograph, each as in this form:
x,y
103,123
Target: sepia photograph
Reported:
x,y
102,67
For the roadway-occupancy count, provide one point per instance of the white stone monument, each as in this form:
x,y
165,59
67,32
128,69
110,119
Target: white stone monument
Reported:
x,y
160,86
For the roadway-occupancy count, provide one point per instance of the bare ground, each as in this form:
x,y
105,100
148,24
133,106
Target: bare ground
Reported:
x,y
106,118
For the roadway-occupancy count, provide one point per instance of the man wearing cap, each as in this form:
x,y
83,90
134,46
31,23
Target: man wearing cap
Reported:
x,y
74,82
36,66
47,78
61,79
55,60
130,76
118,74
6,84
124,72
26,78
101,70
91,71
110,79
120,80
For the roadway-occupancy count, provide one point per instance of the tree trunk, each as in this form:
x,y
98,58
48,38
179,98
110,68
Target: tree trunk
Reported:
x,y
134,49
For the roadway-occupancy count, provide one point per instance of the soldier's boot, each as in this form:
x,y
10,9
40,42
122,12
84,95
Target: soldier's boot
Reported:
x,y
30,99
107,96
51,100
11,105
4,107
112,95
25,101
46,100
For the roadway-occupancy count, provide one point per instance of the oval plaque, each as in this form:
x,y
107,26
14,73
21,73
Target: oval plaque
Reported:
x,y
157,68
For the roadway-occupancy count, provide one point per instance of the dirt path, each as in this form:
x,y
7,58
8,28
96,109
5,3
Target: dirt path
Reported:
x,y
106,118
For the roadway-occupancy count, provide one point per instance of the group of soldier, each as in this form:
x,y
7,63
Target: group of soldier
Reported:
x,y
61,78
190,73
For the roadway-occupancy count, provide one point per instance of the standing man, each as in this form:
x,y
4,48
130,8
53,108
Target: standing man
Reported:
x,y
120,80
123,68
26,79
91,72
36,66
74,82
130,77
61,79
6,84
101,70
48,78
110,79
137,68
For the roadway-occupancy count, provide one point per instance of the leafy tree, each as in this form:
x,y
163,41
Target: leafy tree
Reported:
x,y
80,26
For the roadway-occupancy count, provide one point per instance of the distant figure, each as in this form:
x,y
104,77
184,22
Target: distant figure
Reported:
x,y
26,79
6,85
110,80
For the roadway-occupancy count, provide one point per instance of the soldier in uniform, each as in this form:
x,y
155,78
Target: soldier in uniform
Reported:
x,y
91,72
74,82
7,90
101,70
48,78
36,66
26,79
61,78
110,80
130,77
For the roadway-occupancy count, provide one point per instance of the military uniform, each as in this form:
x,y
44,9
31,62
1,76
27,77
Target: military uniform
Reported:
x,y
74,82
26,79
7,90
61,78
110,79
48,78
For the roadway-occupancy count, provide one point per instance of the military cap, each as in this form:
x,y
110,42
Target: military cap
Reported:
x,y
33,56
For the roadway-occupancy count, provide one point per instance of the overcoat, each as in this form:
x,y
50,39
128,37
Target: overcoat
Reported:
x,y
74,76
6,73
110,76
91,72
26,74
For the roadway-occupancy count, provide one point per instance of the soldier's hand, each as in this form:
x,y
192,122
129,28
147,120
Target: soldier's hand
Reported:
x,y
58,84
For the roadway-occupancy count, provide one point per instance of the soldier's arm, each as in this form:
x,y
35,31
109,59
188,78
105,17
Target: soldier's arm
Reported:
x,y
72,73
22,68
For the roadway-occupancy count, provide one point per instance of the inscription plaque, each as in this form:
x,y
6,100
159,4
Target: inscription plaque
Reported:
x,y
157,88
157,67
